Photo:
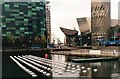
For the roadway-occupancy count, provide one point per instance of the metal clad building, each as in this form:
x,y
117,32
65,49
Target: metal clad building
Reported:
x,y
84,24
100,20
85,29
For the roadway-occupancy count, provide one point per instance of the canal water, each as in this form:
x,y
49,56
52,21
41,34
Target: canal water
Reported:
x,y
97,70
89,70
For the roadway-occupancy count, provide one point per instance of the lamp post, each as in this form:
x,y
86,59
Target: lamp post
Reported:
x,y
114,34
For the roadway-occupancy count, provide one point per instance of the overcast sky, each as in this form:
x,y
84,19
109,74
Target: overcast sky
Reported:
x,y
65,12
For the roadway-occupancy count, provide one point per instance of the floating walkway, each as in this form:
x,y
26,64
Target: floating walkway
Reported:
x,y
36,66
94,59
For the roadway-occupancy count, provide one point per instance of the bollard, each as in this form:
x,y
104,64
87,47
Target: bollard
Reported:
x,y
46,56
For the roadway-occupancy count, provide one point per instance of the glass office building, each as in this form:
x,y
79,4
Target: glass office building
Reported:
x,y
23,22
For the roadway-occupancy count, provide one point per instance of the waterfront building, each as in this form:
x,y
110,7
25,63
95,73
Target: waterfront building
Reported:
x,y
85,29
115,30
100,20
24,23
48,22
115,33
70,36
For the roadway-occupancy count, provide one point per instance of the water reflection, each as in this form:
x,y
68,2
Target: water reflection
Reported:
x,y
68,72
109,70
61,67
59,58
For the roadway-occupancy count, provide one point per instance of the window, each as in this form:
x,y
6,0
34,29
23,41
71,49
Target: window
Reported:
x,y
27,33
33,8
7,6
4,34
41,8
15,5
8,33
26,20
29,6
38,8
22,29
34,26
10,19
33,13
17,32
20,12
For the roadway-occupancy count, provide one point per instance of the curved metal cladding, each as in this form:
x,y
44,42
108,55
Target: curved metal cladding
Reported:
x,y
70,36
84,24
100,20
69,32
85,29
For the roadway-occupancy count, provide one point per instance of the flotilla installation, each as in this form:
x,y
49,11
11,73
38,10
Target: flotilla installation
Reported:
x,y
46,66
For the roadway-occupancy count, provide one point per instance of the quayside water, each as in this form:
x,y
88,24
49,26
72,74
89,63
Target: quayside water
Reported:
x,y
88,70
105,70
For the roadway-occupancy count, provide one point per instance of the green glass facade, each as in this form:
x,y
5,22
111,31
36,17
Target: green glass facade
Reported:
x,y
23,21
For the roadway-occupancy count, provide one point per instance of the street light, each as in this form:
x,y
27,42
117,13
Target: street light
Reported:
x,y
88,37
114,34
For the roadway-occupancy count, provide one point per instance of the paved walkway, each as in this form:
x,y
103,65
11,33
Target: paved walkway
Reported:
x,y
91,53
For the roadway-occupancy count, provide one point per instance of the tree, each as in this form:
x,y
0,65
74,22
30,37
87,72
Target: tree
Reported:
x,y
10,40
40,40
43,39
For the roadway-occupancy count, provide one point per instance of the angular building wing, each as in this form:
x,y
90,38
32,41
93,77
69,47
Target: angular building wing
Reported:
x,y
69,32
85,29
84,24
70,36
